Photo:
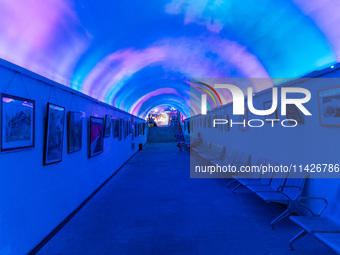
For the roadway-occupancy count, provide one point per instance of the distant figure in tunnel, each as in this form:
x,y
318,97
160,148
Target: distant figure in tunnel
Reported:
x,y
180,139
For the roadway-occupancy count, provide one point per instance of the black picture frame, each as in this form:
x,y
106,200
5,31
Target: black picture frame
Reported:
x,y
13,110
115,127
96,137
266,106
242,118
54,134
292,112
74,131
107,126
120,137
226,126
329,107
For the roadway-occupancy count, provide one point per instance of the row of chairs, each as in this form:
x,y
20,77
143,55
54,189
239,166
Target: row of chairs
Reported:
x,y
284,188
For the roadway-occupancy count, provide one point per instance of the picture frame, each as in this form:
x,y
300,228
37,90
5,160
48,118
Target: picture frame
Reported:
x,y
242,118
266,106
74,131
54,134
214,118
292,112
226,126
136,129
115,127
220,126
17,123
120,137
107,126
96,137
329,106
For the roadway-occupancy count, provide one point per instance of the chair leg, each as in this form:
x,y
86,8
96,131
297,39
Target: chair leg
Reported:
x,y
280,217
236,188
297,237
230,182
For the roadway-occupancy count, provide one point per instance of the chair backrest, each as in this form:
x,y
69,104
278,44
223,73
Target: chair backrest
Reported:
x,y
334,208
279,179
297,179
266,177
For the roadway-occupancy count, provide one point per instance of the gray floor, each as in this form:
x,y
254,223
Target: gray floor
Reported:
x,y
152,207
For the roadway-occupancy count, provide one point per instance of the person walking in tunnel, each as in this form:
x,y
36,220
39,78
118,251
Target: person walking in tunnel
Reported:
x,y
180,139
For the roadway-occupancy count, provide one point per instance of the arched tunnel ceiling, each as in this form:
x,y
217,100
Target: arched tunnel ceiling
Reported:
x,y
137,54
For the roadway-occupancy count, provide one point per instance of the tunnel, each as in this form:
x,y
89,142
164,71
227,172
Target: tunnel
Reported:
x,y
169,127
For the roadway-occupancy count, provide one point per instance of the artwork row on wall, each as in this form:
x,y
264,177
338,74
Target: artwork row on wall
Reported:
x,y
18,128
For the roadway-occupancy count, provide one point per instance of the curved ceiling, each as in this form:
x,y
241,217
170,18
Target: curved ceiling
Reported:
x,y
137,55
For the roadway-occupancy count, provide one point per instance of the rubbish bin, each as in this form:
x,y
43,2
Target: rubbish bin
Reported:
x,y
140,146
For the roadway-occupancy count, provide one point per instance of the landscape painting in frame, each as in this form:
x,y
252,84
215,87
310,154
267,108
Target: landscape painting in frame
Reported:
x,y
96,136
329,106
107,129
17,123
54,134
75,131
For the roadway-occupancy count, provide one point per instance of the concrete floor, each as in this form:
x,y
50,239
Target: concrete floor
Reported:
x,y
152,207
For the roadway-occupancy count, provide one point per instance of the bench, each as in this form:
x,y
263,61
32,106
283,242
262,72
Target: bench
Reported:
x,y
323,226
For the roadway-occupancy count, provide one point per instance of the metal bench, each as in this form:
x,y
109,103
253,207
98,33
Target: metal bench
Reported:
x,y
264,179
323,226
288,194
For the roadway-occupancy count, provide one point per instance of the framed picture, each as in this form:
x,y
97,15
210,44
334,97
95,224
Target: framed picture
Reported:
x,y
96,141
115,127
54,134
244,118
226,126
214,118
329,106
17,123
107,127
266,106
292,112
74,131
220,126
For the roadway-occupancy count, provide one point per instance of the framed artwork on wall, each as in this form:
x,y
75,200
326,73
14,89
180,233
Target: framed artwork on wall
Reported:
x,y
214,118
54,134
96,141
107,127
136,129
115,124
209,121
220,126
244,118
266,106
329,106
17,123
292,112
74,131
226,126
120,137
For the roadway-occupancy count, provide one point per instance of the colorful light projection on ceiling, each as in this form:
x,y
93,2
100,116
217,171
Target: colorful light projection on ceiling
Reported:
x,y
137,55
